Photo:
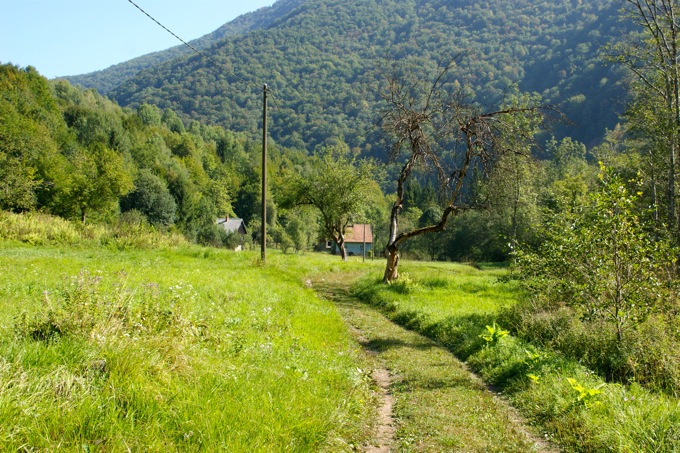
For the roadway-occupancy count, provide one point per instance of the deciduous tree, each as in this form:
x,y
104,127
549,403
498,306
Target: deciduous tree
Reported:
x,y
97,180
653,56
433,129
338,186
151,197
602,260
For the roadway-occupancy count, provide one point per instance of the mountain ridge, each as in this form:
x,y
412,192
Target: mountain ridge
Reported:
x,y
321,59
99,80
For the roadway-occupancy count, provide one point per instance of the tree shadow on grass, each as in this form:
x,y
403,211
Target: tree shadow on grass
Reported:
x,y
385,344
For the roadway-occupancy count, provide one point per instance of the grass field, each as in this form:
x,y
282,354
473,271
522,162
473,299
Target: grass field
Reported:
x,y
118,340
177,348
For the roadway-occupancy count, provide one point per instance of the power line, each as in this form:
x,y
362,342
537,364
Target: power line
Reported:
x,y
198,52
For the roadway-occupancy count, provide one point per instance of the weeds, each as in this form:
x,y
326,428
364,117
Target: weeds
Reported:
x,y
584,395
40,229
493,334
83,309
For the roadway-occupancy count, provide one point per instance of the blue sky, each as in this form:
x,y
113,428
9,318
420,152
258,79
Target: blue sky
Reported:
x,y
70,37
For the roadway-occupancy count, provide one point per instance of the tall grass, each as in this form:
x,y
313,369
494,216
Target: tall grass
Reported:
x,y
575,408
186,349
41,229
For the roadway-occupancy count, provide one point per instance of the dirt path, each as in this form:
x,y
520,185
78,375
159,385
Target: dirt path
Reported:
x,y
386,429
429,401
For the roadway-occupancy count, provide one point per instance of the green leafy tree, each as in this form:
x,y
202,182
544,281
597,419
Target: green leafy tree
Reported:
x,y
152,198
653,57
150,115
32,131
602,260
98,179
172,121
18,183
301,227
337,185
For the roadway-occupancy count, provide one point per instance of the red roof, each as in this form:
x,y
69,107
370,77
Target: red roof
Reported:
x,y
355,233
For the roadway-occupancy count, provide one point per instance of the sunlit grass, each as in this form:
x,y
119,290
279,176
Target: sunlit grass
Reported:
x,y
439,405
453,304
172,348
437,291
110,346
41,229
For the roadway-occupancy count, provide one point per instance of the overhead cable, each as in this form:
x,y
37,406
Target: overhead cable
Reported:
x,y
202,54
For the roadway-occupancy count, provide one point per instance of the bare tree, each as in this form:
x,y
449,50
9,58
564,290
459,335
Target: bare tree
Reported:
x,y
435,131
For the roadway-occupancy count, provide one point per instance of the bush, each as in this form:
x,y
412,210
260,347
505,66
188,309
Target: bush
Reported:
x,y
600,281
650,354
152,198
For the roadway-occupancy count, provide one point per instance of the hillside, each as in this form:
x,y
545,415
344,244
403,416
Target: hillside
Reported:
x,y
106,80
323,59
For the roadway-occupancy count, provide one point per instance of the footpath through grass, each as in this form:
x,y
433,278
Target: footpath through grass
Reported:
x,y
439,404
462,308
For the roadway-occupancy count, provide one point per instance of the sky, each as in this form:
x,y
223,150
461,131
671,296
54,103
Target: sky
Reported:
x,y
72,37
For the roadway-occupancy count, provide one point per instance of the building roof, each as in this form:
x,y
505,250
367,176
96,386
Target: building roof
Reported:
x,y
355,233
232,225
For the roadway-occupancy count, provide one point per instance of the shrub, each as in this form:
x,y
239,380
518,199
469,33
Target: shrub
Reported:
x,y
599,279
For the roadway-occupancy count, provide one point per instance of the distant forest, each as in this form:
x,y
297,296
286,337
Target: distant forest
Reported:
x,y
325,61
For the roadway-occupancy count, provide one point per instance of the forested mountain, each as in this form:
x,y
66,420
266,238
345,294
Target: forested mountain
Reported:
x,y
106,80
325,61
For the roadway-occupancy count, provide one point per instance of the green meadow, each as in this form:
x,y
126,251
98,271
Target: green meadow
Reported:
x,y
110,348
129,340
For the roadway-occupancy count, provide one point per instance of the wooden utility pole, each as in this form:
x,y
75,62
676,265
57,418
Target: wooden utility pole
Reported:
x,y
264,176
363,260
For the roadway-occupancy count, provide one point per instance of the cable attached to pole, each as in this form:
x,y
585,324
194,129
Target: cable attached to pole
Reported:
x,y
197,51
264,176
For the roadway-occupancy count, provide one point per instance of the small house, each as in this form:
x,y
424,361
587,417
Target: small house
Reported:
x,y
357,237
234,226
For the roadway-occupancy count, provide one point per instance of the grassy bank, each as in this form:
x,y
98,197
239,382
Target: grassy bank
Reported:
x,y
172,348
437,404
454,304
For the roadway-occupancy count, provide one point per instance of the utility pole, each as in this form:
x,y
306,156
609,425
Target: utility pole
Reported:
x,y
363,259
264,176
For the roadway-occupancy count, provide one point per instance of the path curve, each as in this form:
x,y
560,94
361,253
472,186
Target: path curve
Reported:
x,y
428,399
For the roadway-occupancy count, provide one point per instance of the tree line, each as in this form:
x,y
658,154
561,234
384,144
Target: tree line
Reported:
x,y
73,153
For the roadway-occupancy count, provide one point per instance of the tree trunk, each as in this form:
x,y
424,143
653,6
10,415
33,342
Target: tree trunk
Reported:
x,y
392,250
655,196
391,270
676,104
343,251
340,242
